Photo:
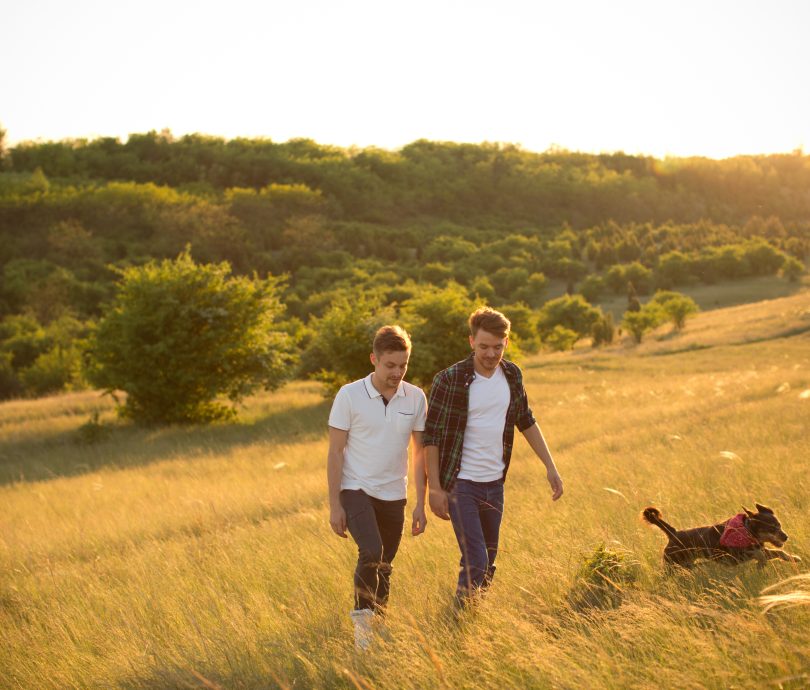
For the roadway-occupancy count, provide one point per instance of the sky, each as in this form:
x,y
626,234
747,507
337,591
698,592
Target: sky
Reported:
x,y
712,78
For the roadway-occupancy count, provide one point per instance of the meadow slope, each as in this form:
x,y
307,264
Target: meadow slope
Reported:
x,y
202,557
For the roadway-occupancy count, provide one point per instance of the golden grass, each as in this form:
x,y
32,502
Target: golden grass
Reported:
x,y
191,557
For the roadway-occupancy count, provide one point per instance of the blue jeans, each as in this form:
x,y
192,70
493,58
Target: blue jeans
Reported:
x,y
476,509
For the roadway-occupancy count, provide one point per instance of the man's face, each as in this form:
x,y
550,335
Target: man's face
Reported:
x,y
488,349
390,367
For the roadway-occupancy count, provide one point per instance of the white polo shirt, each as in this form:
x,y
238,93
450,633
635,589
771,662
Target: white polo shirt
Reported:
x,y
376,455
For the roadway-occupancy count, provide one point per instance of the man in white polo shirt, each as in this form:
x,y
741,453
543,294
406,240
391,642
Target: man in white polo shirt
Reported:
x,y
370,426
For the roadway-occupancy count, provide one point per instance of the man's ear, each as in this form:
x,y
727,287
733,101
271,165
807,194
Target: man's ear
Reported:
x,y
763,509
373,359
472,343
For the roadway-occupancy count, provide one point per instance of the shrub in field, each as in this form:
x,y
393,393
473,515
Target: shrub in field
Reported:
x,y
676,306
603,330
561,339
592,288
180,335
644,320
602,579
792,269
569,311
338,351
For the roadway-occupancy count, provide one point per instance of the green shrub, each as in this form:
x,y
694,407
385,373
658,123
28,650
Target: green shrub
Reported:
x,y
180,335
603,330
792,269
644,320
676,306
56,370
340,345
602,579
569,311
561,339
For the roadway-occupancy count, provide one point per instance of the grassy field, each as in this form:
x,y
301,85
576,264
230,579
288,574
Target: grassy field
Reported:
x,y
202,557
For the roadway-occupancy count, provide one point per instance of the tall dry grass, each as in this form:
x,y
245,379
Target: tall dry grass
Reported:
x,y
202,557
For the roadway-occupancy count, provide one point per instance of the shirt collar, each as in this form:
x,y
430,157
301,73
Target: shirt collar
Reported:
x,y
374,393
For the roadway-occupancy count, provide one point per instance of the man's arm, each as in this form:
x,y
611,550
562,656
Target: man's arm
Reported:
x,y
535,438
334,473
420,483
438,497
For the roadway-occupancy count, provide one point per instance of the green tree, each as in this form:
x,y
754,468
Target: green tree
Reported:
x,y
792,269
640,322
676,306
338,351
437,322
531,292
561,338
570,311
592,288
180,335
603,330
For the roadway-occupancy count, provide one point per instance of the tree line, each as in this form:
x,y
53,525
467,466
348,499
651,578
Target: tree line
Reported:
x,y
487,222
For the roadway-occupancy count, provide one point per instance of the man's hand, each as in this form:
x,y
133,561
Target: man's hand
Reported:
x,y
419,520
440,503
337,521
556,483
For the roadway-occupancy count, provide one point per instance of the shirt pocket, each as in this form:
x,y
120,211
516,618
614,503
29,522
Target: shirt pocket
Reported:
x,y
405,422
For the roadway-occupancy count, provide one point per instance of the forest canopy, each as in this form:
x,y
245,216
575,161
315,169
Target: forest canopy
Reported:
x,y
499,222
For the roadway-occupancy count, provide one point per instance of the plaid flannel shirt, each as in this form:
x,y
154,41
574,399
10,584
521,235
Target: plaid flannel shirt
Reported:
x,y
447,415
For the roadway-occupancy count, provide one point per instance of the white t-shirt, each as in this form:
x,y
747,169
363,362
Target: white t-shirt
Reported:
x,y
376,455
482,453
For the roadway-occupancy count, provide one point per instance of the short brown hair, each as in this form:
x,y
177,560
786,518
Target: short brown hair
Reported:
x,y
391,339
486,318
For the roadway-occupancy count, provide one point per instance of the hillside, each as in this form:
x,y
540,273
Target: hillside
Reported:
x,y
202,556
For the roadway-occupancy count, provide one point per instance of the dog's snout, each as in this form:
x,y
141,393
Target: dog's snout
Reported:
x,y
783,536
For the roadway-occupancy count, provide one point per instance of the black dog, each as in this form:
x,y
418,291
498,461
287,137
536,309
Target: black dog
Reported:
x,y
738,539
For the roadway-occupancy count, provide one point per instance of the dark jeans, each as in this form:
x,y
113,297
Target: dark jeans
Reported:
x,y
476,509
376,527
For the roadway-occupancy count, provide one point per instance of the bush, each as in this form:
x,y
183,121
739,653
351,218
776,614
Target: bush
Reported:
x,y
592,288
569,311
339,349
561,339
676,306
179,335
644,320
56,370
792,269
603,330
602,579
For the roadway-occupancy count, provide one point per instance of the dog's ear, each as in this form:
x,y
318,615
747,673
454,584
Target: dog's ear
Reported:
x,y
748,512
763,509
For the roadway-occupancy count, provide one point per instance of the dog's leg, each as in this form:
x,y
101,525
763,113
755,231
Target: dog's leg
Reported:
x,y
783,555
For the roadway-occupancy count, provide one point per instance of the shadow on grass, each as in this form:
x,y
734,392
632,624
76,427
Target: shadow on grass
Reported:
x,y
62,454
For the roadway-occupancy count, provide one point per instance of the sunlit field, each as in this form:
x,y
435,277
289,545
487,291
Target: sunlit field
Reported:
x,y
202,557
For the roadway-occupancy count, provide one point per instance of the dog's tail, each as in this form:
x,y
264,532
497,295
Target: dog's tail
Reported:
x,y
653,516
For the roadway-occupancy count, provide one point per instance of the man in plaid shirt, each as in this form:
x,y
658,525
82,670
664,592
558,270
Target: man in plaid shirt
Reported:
x,y
473,409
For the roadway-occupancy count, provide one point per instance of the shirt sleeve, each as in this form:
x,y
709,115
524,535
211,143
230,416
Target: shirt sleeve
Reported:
x,y
525,419
421,411
436,409
340,416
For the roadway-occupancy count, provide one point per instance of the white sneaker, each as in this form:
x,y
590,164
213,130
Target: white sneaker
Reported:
x,y
362,619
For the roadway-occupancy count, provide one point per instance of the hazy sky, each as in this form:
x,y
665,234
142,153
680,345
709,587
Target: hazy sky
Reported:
x,y
707,77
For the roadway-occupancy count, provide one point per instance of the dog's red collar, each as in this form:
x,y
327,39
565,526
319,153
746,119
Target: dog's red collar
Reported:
x,y
736,534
